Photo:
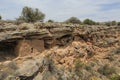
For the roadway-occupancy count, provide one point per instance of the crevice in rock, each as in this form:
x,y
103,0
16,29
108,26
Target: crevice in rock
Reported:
x,y
48,42
64,40
7,50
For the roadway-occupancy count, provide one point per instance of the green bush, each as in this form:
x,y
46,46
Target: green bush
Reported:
x,y
106,70
78,68
0,17
117,77
51,21
97,23
88,68
31,15
89,22
73,20
78,65
118,23
116,51
107,23
113,23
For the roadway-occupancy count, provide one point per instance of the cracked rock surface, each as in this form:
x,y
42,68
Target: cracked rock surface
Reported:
x,y
55,51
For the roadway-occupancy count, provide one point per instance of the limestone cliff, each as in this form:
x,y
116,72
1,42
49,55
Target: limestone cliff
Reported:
x,y
54,51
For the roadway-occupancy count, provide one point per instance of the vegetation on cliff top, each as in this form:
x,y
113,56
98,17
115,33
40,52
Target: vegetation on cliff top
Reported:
x,y
73,20
31,15
0,17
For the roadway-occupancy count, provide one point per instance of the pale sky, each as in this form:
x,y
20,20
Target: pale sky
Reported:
x,y
60,10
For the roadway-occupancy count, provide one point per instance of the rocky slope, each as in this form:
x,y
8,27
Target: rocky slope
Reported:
x,y
54,51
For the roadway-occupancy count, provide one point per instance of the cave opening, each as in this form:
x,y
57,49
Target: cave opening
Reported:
x,y
7,50
65,40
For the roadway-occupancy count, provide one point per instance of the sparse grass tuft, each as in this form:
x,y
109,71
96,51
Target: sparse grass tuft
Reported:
x,y
117,77
78,68
107,70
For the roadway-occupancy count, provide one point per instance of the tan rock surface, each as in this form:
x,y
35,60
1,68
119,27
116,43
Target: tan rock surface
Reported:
x,y
44,51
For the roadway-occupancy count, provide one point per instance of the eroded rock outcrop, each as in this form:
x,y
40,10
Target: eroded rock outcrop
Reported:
x,y
54,51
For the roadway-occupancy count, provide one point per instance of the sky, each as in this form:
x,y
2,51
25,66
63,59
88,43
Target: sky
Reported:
x,y
61,10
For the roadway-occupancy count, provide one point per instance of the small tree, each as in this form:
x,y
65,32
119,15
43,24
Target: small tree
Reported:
x,y
0,17
107,23
31,15
107,70
118,23
51,21
113,23
89,22
73,20
97,23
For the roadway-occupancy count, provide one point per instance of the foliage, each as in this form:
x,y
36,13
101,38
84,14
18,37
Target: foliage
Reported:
x,y
0,17
117,51
110,57
118,23
97,23
117,77
88,68
107,23
113,23
78,68
106,70
31,15
89,22
51,21
79,64
73,20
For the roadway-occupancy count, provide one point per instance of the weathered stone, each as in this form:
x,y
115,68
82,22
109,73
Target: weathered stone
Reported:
x,y
44,51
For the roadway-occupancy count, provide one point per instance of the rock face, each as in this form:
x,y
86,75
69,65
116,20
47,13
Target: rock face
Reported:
x,y
53,51
28,47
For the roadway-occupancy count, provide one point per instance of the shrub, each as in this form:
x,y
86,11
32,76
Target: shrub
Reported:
x,y
110,57
116,51
51,21
73,20
97,23
118,23
31,15
88,68
107,23
79,64
0,17
113,23
89,22
78,68
106,70
117,77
